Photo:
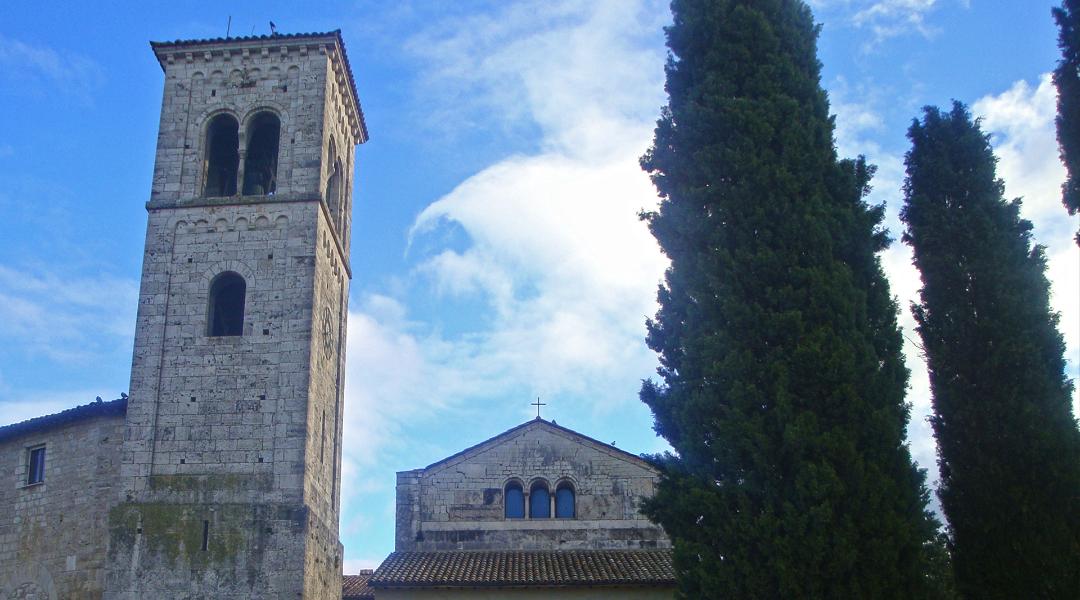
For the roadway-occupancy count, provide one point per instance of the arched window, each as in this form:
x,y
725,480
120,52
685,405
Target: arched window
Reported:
x,y
333,182
222,157
514,501
539,501
260,162
564,501
226,313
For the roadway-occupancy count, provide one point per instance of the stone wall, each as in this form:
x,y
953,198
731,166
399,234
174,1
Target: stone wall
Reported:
x,y
53,534
232,459
458,504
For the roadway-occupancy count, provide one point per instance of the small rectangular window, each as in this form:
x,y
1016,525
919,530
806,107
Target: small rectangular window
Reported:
x,y
35,472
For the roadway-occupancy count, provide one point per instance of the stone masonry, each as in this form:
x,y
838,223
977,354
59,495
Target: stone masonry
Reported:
x,y
52,540
458,503
231,457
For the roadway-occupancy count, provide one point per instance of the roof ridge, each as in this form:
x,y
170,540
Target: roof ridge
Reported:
x,y
542,422
70,415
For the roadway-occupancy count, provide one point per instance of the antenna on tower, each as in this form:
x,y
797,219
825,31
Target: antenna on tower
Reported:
x,y
228,27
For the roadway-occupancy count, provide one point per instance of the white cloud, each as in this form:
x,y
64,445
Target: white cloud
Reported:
x,y
558,267
25,66
33,405
65,317
1021,123
885,19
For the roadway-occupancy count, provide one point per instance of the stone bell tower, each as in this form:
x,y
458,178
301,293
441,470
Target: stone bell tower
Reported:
x,y
232,456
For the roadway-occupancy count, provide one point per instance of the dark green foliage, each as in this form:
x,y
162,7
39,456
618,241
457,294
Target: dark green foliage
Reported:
x,y
783,380
1067,80
1008,443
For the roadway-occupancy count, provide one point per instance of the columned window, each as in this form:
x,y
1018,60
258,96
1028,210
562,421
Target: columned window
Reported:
x,y
514,501
539,501
222,156
564,501
260,160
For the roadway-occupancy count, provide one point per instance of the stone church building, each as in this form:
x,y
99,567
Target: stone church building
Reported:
x,y
219,476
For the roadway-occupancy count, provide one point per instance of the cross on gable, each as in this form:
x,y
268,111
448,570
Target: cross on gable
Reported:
x,y
538,404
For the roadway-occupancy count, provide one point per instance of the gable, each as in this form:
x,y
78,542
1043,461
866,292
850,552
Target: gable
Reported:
x,y
461,502
563,441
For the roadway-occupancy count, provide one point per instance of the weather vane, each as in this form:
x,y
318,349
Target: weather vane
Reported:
x,y
538,404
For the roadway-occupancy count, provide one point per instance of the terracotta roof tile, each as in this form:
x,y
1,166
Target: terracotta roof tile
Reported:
x,y
355,587
524,568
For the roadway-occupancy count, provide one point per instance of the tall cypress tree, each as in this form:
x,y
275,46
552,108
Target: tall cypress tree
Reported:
x,y
1008,442
783,380
1067,80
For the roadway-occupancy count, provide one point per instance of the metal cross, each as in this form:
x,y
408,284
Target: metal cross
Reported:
x,y
538,404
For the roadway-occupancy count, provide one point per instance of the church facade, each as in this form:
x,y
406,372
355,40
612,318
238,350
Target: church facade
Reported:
x,y
536,511
219,476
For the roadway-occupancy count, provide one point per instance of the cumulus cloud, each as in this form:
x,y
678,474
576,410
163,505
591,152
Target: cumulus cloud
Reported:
x,y
557,268
1020,121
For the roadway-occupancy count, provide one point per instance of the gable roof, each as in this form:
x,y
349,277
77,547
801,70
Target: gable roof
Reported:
x,y
539,423
525,568
71,415
355,587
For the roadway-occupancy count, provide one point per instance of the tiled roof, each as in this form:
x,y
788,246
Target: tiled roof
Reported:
x,y
524,568
355,587
336,34
86,411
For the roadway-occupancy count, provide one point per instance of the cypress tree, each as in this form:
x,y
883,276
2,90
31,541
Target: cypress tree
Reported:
x,y
1007,439
783,379
1067,80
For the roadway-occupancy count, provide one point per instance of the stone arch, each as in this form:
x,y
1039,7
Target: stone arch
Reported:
x,y
226,300
513,498
229,265
262,143
566,494
219,140
539,498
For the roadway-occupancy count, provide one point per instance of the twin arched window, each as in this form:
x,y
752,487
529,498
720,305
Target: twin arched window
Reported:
x,y
226,311
539,501
260,163
221,160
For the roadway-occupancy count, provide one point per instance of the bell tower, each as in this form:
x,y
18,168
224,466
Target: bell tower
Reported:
x,y
230,476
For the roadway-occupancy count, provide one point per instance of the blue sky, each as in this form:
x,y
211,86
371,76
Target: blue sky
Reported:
x,y
497,255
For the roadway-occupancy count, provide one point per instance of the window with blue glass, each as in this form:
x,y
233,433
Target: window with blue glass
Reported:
x,y
539,501
564,501
514,501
